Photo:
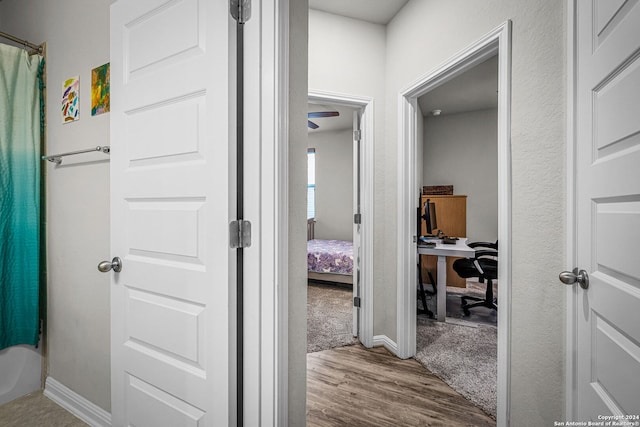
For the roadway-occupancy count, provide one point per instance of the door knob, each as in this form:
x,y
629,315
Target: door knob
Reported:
x,y
115,264
571,277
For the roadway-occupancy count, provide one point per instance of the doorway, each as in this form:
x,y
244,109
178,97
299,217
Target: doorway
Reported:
x,y
457,175
495,43
355,223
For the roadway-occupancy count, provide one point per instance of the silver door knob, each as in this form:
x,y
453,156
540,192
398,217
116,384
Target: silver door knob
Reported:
x,y
115,264
571,277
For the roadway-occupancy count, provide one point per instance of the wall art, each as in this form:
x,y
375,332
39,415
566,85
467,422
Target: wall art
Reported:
x,y
100,90
71,100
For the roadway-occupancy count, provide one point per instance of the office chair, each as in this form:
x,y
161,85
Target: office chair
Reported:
x,y
484,266
422,292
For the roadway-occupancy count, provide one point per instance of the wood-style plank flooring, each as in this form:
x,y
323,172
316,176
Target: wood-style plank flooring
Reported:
x,y
353,386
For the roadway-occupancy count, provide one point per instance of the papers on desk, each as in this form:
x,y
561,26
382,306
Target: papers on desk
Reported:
x,y
427,244
423,241
431,241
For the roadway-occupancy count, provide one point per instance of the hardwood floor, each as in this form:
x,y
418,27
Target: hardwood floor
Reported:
x,y
353,386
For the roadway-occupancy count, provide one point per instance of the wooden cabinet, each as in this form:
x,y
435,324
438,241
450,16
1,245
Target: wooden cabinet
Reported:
x,y
451,215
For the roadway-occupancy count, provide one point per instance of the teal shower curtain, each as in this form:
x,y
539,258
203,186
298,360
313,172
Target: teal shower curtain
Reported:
x,y
20,141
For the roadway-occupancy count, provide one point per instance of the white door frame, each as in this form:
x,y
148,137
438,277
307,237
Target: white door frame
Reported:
x,y
266,337
570,243
497,41
365,104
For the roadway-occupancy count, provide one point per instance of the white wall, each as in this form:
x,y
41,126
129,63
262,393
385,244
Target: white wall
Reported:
x,y
77,37
462,150
348,56
422,37
334,184
298,95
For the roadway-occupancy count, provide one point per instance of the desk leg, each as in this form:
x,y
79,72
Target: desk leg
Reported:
x,y
442,288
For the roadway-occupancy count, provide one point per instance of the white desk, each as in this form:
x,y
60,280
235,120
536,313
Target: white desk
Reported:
x,y
442,251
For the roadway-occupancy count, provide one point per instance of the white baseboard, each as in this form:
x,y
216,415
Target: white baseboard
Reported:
x,y
385,341
76,404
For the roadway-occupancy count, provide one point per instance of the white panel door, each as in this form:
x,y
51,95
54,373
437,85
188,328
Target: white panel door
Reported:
x,y
172,309
357,198
608,209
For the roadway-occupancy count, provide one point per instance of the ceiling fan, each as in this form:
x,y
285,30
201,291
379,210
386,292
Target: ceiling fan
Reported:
x,y
319,114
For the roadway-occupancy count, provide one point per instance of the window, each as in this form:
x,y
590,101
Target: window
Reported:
x,y
311,183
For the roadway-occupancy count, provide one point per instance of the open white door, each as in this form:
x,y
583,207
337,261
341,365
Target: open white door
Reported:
x,y
607,313
172,198
357,218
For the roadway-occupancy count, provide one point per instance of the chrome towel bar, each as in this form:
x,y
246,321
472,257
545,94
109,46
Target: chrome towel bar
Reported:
x,y
57,158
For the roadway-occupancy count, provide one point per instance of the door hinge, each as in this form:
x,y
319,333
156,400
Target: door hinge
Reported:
x,y
357,218
357,135
356,301
240,10
239,234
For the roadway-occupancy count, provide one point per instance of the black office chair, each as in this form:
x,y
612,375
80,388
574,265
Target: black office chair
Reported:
x,y
422,292
484,266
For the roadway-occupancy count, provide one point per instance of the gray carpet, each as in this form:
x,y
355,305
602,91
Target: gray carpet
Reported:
x,y
462,356
454,304
463,351
329,317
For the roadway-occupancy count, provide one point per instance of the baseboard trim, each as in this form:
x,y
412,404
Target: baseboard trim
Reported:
x,y
383,340
76,404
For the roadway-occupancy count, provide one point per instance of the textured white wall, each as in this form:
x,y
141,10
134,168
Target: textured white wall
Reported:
x,y
424,35
77,37
334,184
356,49
298,94
462,149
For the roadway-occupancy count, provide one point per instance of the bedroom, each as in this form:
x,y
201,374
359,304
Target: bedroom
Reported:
x,y
331,233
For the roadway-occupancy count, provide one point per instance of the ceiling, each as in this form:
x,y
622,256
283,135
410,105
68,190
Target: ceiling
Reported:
x,y
476,89
342,122
374,11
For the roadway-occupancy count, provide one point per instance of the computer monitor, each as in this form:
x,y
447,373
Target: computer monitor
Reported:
x,y
429,216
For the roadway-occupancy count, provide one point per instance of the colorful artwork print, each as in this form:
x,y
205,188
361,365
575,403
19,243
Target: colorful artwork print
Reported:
x,y
70,100
100,90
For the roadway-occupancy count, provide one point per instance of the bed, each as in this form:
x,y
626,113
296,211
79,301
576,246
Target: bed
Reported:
x,y
329,260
